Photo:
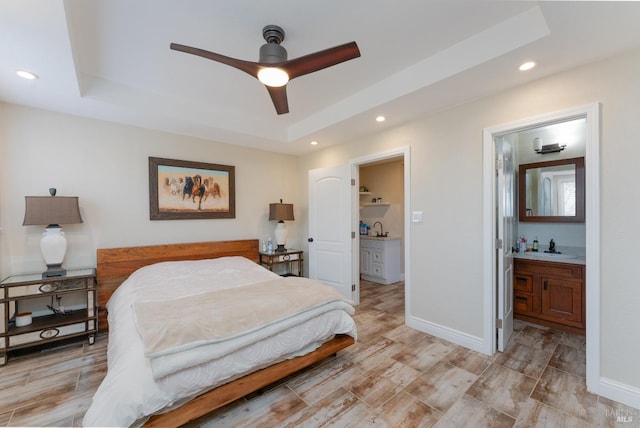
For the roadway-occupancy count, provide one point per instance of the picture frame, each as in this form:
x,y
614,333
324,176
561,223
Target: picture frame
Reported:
x,y
186,190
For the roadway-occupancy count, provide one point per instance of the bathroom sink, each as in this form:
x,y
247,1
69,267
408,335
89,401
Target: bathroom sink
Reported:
x,y
561,255
386,237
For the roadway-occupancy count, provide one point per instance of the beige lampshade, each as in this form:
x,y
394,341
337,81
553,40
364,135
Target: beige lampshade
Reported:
x,y
41,210
281,212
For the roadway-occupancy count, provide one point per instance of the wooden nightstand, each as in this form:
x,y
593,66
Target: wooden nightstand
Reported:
x,y
288,257
52,327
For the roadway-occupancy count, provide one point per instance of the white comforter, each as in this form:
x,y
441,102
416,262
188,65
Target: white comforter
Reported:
x,y
130,392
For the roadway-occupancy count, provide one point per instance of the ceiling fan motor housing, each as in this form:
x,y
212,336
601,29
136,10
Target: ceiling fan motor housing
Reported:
x,y
272,52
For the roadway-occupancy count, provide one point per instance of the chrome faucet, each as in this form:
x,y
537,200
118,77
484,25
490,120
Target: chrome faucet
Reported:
x,y
381,228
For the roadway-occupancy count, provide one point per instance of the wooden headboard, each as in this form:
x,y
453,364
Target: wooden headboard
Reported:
x,y
116,264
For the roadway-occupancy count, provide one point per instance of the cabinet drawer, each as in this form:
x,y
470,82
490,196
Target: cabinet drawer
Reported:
x,y
523,303
377,256
288,257
370,243
46,334
523,283
48,287
377,269
564,270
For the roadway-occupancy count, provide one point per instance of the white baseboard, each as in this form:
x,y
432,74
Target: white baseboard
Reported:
x,y
454,336
618,391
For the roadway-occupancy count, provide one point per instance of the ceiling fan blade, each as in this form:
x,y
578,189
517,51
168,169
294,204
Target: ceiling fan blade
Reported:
x,y
279,98
320,60
248,67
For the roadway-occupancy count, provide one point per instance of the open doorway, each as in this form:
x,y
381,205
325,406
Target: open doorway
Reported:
x,y
380,207
591,227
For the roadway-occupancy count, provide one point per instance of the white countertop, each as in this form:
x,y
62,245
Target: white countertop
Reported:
x,y
573,255
379,238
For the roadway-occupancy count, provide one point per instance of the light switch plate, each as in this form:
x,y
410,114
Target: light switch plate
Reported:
x,y
416,217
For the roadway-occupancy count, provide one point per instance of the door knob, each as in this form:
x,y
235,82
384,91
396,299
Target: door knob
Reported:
x,y
310,239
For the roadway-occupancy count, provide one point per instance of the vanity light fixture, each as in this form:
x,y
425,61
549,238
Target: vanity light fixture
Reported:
x,y
551,148
27,75
527,66
547,148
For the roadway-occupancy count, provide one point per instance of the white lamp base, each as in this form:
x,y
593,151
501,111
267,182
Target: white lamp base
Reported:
x,y
281,236
54,247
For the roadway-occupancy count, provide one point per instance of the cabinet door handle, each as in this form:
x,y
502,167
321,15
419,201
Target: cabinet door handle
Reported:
x,y
521,298
545,285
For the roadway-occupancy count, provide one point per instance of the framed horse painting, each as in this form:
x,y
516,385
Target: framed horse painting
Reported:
x,y
181,190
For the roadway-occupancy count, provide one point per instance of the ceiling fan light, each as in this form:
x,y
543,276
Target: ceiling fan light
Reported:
x,y
273,76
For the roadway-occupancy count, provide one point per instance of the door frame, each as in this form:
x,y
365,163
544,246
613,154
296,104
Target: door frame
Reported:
x,y
404,152
592,228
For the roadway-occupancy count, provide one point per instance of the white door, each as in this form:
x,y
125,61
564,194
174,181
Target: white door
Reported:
x,y
505,219
330,227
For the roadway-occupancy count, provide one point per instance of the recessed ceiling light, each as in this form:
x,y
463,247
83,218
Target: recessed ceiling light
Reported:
x,y
527,66
380,119
314,143
26,75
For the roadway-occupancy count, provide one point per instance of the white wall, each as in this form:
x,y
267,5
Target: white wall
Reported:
x,y
446,184
106,165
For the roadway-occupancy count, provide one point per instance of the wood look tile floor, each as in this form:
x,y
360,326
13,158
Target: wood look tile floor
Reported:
x,y
393,376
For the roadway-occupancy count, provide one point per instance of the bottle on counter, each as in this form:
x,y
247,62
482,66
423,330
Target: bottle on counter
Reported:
x,y
523,244
535,245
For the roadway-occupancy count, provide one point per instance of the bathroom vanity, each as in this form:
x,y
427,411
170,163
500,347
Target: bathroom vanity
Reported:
x,y
380,259
550,292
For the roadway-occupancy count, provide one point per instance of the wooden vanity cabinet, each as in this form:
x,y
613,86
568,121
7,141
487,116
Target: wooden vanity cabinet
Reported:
x,y
550,294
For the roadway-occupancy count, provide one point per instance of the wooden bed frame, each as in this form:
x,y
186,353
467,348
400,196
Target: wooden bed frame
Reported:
x,y
116,264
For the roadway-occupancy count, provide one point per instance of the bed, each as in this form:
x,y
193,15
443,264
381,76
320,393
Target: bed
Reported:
x,y
169,364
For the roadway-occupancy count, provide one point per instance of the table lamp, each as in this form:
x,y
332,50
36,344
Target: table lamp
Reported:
x,y
52,211
281,212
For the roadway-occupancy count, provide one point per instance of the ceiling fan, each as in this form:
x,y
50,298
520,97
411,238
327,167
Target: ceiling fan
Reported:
x,y
273,69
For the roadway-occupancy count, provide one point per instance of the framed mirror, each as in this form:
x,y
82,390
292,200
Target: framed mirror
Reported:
x,y
552,191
